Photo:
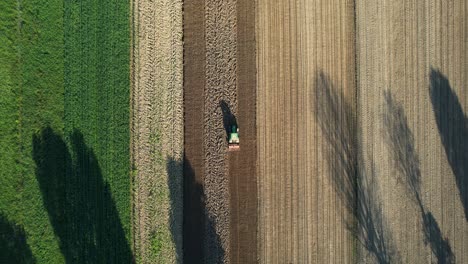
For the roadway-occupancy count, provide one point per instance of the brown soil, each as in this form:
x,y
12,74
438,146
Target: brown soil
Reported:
x,y
221,67
194,166
219,78
242,164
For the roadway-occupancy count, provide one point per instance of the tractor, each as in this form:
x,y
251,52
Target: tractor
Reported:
x,y
234,139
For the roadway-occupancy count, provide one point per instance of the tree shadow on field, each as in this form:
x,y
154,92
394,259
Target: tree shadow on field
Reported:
x,y
175,179
453,130
201,243
13,245
336,117
401,141
229,119
440,246
78,200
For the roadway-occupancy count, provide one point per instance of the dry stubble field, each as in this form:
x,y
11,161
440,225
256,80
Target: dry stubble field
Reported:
x,y
157,130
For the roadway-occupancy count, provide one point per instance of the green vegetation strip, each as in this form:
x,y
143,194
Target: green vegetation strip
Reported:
x,y
97,118
31,85
64,131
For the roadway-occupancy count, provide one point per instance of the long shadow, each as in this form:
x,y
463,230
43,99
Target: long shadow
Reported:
x,y
440,246
401,141
201,243
372,229
453,130
13,245
78,200
229,119
175,179
337,120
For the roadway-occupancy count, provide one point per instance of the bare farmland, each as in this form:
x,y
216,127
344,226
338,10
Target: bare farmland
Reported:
x,y
352,123
412,114
301,218
210,52
379,157
243,163
220,187
221,65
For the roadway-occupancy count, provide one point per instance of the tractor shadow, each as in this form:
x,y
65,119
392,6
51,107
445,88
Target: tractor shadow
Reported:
x,y
355,188
201,243
401,142
453,129
229,119
13,245
78,200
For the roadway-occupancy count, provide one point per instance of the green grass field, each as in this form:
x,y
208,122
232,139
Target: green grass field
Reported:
x,y
64,131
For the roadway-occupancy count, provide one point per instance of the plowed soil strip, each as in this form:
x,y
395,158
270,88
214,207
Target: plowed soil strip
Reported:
x,y
220,106
412,102
301,217
194,84
242,164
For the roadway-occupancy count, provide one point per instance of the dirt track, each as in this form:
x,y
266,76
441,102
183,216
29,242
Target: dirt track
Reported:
x,y
157,130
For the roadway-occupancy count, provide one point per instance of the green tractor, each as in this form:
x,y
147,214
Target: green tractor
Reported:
x,y
234,139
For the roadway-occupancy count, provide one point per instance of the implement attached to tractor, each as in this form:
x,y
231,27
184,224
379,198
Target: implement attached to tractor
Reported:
x,y
234,139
